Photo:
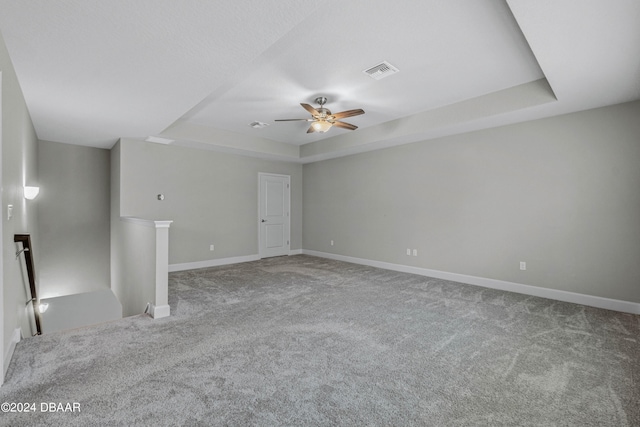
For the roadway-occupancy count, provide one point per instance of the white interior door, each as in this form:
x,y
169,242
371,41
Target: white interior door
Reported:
x,y
273,217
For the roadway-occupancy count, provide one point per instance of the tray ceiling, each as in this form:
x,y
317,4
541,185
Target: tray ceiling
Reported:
x,y
199,73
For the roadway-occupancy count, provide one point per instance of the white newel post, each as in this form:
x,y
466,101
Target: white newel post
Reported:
x,y
160,307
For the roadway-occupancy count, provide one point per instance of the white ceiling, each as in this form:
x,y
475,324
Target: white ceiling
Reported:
x,y
199,72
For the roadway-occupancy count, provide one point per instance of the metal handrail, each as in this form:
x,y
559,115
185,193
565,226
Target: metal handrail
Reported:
x,y
25,239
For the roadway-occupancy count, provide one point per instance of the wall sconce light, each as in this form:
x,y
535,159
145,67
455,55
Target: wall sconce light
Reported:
x,y
42,307
31,193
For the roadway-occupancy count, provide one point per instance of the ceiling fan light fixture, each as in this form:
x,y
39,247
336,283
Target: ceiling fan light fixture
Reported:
x,y
321,126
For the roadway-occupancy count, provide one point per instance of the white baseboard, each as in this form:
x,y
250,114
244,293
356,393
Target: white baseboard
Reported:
x,y
160,311
221,261
15,339
212,263
555,294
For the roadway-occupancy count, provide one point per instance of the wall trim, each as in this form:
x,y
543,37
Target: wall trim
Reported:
x,y
15,339
160,311
295,252
212,263
555,294
146,222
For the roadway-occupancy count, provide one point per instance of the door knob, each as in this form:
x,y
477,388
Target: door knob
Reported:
x,y
264,220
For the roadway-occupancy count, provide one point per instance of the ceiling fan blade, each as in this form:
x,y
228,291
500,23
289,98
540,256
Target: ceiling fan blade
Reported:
x,y
344,125
293,120
310,109
311,129
348,113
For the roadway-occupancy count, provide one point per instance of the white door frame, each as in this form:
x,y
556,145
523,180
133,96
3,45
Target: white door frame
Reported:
x,y
259,218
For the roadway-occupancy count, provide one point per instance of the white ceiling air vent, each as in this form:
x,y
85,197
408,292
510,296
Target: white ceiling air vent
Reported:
x,y
381,70
258,125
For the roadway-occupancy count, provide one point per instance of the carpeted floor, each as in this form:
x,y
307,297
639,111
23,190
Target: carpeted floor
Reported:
x,y
307,341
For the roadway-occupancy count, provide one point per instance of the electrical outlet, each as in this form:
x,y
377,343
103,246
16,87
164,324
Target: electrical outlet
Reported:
x,y
415,252
211,247
408,251
332,243
523,265
9,212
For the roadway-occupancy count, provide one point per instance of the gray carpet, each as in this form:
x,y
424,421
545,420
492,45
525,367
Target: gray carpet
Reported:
x,y
308,341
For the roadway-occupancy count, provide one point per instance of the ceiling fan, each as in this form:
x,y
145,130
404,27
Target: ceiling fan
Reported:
x,y
322,119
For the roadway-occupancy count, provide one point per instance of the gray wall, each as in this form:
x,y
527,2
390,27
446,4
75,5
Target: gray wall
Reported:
x,y
561,194
212,197
73,217
133,270
79,310
19,168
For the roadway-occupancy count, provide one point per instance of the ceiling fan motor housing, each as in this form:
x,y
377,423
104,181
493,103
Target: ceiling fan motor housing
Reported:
x,y
324,112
